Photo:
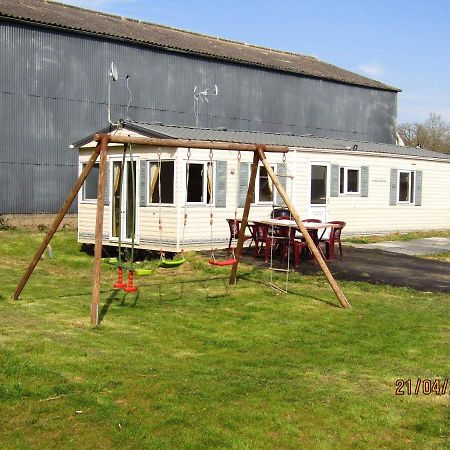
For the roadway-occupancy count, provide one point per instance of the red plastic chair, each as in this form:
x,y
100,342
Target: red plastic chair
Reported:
x,y
335,237
234,232
299,248
260,234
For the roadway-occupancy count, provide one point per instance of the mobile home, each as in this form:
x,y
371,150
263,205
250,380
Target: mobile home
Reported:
x,y
375,188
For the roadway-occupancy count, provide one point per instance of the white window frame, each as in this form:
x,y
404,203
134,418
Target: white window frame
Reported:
x,y
155,161
257,201
205,183
346,169
87,201
411,189
137,225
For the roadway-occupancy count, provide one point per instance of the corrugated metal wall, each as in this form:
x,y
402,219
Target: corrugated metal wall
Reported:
x,y
53,92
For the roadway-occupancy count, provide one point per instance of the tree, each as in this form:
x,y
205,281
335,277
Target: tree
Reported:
x,y
433,134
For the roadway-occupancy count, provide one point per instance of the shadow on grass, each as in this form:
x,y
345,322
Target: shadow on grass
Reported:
x,y
106,306
247,277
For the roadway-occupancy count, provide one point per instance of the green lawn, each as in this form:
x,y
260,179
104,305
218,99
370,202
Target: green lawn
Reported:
x,y
193,363
370,239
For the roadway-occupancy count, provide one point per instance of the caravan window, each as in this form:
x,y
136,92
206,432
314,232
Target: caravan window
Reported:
x,y
406,186
163,175
263,187
200,183
349,180
90,185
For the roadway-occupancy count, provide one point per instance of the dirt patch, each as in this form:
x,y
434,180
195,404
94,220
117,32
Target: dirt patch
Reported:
x,y
38,222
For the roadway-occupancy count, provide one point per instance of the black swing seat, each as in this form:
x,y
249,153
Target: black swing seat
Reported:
x,y
226,262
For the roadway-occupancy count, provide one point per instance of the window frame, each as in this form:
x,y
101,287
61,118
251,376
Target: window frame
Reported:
x,y
148,172
256,192
205,184
88,201
346,192
411,187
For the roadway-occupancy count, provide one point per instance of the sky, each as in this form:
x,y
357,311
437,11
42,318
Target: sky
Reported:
x,y
403,43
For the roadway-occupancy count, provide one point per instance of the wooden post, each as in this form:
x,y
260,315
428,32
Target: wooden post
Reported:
x,y
62,212
337,290
99,231
248,202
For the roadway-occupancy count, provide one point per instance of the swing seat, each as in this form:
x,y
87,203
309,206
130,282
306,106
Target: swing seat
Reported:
x,y
226,262
143,272
171,263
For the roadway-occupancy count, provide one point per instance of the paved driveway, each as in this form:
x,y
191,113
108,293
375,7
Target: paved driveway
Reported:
x,y
364,263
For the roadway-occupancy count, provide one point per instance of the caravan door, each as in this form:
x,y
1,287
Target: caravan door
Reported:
x,y
319,191
124,199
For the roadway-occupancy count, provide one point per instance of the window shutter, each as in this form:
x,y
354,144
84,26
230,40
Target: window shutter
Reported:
x,y
418,188
143,183
364,181
107,185
244,169
393,188
281,173
221,184
334,183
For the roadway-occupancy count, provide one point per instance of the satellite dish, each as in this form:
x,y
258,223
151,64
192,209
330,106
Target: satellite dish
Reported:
x,y
114,75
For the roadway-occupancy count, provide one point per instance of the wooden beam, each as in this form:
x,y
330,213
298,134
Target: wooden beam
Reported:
x,y
312,246
62,212
248,202
188,143
99,232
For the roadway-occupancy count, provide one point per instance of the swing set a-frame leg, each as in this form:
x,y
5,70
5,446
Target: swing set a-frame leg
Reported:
x,y
259,155
62,212
248,202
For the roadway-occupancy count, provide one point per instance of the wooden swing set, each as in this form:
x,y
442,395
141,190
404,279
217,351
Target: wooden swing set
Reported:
x,y
101,149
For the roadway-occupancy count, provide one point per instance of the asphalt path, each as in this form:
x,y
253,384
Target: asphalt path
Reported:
x,y
386,267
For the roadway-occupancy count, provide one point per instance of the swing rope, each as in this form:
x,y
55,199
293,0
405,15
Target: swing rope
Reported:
x,y
235,221
167,263
161,253
213,261
185,215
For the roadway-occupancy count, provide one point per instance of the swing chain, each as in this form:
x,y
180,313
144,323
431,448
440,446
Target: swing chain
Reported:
x,y
161,252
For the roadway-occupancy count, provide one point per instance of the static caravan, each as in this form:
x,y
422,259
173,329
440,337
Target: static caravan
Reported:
x,y
181,198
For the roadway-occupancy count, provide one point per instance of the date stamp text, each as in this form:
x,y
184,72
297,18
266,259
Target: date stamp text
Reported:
x,y
422,386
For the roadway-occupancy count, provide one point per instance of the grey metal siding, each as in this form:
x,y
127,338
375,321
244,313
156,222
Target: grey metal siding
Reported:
x,y
53,92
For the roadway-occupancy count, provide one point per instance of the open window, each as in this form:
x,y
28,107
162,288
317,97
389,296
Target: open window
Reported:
x,y
349,180
406,186
163,175
263,187
89,192
200,183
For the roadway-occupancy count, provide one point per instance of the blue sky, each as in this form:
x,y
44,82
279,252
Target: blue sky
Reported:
x,y
404,43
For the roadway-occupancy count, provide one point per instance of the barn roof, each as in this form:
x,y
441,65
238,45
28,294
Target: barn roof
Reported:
x,y
58,15
157,129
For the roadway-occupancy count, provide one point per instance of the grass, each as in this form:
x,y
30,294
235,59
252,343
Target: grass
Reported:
x,y
397,236
193,363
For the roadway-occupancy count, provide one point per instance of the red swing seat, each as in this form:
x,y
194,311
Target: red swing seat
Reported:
x,y
226,262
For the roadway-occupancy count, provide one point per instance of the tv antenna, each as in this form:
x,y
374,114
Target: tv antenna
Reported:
x,y
202,97
113,75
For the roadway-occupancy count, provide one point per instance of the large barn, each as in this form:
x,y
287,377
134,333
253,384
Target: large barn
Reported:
x,y
53,77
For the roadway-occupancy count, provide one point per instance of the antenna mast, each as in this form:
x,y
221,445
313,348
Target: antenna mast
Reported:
x,y
114,76
202,96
